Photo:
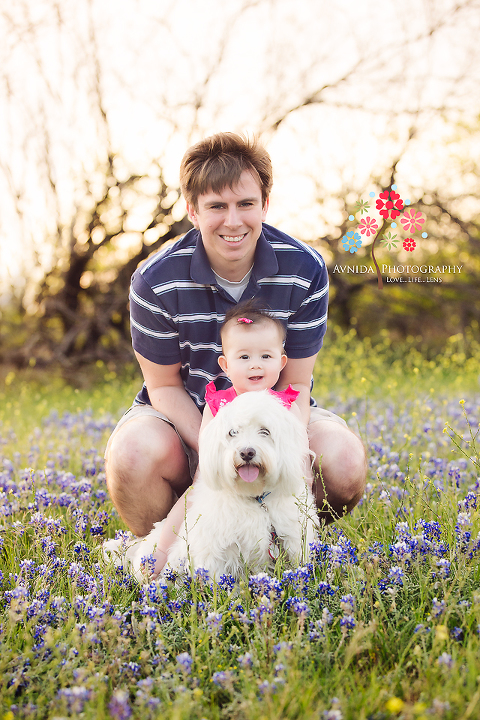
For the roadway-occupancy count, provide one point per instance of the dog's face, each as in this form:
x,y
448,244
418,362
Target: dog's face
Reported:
x,y
253,444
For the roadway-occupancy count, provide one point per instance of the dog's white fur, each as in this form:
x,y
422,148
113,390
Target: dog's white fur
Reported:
x,y
226,528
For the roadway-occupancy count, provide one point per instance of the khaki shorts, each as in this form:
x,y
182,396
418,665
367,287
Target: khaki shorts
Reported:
x,y
136,411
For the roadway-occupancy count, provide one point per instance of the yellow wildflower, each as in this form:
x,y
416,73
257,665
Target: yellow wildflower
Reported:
x,y
441,632
394,705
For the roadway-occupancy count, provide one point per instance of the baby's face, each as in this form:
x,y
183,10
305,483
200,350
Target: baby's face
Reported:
x,y
253,356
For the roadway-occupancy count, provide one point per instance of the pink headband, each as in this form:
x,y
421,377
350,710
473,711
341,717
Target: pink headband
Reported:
x,y
245,320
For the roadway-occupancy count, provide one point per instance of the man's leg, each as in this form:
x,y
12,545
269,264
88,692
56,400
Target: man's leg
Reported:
x,y
147,469
343,468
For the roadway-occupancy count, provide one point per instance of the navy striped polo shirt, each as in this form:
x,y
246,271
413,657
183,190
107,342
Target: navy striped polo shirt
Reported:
x,y
177,306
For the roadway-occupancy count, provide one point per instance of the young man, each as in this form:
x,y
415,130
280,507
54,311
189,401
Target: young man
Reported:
x,y
178,301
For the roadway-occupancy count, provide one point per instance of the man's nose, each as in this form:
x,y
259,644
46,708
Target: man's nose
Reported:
x,y
232,218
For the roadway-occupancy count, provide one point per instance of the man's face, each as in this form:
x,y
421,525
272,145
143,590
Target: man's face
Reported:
x,y
230,223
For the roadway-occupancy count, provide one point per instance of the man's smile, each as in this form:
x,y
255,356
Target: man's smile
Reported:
x,y
233,238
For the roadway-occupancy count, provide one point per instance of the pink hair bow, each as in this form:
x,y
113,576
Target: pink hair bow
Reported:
x,y
245,320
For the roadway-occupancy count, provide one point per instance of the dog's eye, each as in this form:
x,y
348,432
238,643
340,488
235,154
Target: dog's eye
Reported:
x,y
264,431
232,433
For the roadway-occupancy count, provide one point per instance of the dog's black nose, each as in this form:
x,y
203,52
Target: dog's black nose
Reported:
x,y
247,454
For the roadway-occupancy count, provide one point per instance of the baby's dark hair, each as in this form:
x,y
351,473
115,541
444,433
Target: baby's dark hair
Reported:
x,y
251,313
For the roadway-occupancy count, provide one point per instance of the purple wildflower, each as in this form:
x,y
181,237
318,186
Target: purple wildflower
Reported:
x,y
396,575
119,705
75,698
185,662
214,622
438,607
445,660
246,660
223,679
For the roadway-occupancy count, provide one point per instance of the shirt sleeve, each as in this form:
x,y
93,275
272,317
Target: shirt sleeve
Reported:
x,y
153,329
287,396
307,326
216,399
211,398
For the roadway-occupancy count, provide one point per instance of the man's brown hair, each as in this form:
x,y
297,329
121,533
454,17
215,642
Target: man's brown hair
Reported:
x,y
218,161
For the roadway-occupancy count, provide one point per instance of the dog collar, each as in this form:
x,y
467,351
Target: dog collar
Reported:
x,y
260,499
274,545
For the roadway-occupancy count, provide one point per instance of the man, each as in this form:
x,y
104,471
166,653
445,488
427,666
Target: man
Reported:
x,y
178,300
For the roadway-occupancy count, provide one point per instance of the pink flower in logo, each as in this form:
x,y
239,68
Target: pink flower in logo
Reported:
x,y
390,204
409,244
368,226
412,220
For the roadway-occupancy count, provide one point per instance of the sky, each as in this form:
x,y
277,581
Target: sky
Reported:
x,y
149,77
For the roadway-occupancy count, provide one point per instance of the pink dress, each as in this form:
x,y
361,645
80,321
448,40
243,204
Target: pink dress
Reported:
x,y
216,399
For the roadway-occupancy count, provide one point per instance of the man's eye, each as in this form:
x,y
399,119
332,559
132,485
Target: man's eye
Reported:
x,y
232,433
264,431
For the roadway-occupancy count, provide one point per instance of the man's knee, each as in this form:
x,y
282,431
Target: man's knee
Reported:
x,y
143,447
354,470
146,469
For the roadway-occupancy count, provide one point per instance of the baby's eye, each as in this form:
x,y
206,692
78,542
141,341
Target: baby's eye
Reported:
x,y
266,356
264,431
243,357
232,433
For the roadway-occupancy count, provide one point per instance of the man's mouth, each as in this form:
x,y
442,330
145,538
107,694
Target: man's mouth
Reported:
x,y
233,238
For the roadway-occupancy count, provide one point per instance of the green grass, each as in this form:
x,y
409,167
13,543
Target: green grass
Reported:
x,y
80,639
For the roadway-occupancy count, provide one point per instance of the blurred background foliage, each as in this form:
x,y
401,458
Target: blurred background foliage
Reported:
x,y
67,301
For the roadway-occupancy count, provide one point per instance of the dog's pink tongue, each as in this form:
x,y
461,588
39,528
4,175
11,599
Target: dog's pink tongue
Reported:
x,y
249,473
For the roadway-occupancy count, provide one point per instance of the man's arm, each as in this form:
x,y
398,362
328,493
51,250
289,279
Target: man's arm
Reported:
x,y
168,395
298,374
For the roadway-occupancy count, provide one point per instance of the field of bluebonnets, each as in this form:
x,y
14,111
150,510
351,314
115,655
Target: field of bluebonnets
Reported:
x,y
384,622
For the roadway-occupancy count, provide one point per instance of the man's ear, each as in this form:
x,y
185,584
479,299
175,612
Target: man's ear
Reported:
x,y
222,361
265,208
192,215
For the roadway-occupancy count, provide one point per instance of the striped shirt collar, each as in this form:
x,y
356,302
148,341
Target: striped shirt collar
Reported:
x,y
265,265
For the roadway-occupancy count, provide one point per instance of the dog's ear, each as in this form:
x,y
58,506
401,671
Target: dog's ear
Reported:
x,y
215,465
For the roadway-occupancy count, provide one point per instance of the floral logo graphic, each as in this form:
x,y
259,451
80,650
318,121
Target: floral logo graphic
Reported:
x,y
389,241
412,221
384,228
409,244
351,241
390,204
368,226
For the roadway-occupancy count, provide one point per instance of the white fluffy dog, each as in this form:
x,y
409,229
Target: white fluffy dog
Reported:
x,y
250,500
